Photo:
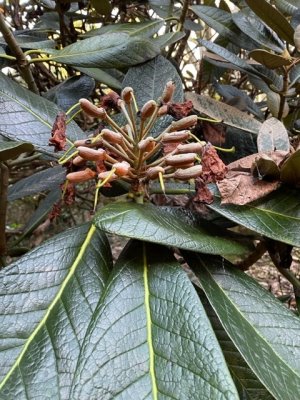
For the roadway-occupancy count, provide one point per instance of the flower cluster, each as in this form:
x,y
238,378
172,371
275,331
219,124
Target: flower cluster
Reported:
x,y
130,152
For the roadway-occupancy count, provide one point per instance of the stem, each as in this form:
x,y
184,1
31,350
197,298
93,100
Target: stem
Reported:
x,y
290,277
72,108
283,93
23,64
4,177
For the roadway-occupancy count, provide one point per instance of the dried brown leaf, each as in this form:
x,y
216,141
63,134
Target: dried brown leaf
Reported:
x,y
58,133
214,133
213,168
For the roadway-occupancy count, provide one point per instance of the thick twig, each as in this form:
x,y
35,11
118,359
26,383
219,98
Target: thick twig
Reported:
x,y
4,171
259,251
23,65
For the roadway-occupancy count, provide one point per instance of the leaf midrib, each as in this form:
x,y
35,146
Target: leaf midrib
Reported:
x,y
52,305
252,326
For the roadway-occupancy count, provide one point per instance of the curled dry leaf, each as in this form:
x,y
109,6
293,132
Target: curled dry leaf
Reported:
x,y
213,167
58,133
245,182
180,110
242,188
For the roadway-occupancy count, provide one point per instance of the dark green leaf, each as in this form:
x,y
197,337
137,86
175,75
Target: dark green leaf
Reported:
x,y
249,387
11,150
254,28
273,136
273,18
223,112
45,180
150,337
240,64
113,50
295,74
68,93
48,298
102,7
102,76
165,225
221,22
26,116
269,60
141,29
41,212
290,170
155,74
265,332
276,216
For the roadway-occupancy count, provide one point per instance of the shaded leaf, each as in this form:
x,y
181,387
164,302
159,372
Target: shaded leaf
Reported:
x,y
102,7
59,281
70,91
141,29
41,212
258,31
290,170
163,8
270,60
45,180
272,136
26,116
226,59
114,50
102,76
273,18
10,150
266,167
165,225
227,114
265,332
287,6
221,22
149,328
156,73
247,384
277,216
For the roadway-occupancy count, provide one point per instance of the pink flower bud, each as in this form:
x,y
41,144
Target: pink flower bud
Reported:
x,y
180,160
103,175
195,147
153,172
78,161
168,92
184,123
148,109
122,168
147,144
91,109
177,136
91,154
81,176
88,142
188,173
112,137
127,94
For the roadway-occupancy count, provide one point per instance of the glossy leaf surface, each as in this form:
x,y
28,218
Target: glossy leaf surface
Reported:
x,y
26,116
150,338
247,384
265,332
48,298
164,225
276,216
